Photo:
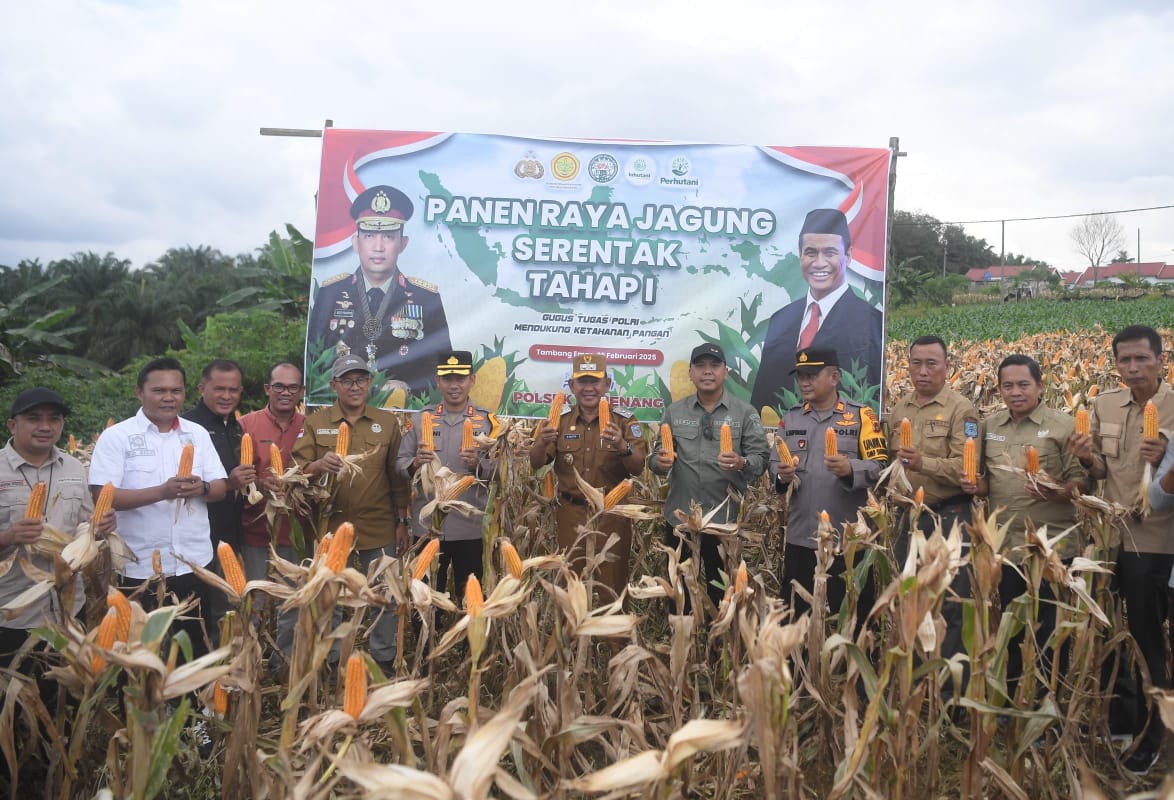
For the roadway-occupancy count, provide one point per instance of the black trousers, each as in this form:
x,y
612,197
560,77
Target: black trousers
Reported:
x,y
799,567
465,558
1141,581
711,563
1011,586
183,587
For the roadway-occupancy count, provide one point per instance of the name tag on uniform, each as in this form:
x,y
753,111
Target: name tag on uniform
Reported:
x,y
570,436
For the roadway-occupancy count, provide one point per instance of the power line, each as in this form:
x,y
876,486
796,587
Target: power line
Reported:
x,y
1034,219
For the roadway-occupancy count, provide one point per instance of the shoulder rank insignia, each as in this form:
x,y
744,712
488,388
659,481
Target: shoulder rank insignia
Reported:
x,y
423,284
336,278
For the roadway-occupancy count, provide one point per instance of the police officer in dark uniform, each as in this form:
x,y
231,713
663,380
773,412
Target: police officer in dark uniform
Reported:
x,y
394,321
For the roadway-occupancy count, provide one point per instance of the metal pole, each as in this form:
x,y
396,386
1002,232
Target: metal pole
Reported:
x,y
1002,254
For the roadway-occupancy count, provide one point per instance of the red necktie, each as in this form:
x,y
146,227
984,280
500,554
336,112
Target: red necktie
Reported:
x,y
808,335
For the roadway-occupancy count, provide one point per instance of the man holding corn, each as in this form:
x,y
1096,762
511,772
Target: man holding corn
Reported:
x,y
455,425
604,453
701,466
375,498
831,452
1128,431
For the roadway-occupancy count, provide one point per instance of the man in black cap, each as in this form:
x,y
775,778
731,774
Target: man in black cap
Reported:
x,y
394,322
701,470
831,316
819,481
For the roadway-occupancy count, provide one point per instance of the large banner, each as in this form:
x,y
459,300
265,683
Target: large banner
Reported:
x,y
530,251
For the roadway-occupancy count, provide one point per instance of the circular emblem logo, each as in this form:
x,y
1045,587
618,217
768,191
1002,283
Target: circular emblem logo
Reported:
x,y
381,203
529,167
680,166
639,170
376,428
564,166
603,168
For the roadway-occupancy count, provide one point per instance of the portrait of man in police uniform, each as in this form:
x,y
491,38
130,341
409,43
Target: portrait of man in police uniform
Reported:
x,y
394,321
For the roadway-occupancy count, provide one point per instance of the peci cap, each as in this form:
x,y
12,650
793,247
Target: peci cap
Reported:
x,y
348,363
454,362
381,208
707,350
589,365
827,220
811,360
40,396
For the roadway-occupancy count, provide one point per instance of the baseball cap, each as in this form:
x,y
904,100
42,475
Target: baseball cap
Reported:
x,y
40,396
348,363
707,349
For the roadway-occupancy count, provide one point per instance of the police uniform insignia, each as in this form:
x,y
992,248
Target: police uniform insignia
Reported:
x,y
970,428
634,429
802,444
873,446
569,458
848,419
403,350
408,426
333,324
423,284
381,203
335,279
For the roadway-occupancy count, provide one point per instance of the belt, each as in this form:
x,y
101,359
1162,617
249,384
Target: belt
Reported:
x,y
572,499
949,502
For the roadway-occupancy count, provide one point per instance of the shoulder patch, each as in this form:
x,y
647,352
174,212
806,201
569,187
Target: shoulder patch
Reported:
x,y
335,279
567,409
621,412
970,428
423,284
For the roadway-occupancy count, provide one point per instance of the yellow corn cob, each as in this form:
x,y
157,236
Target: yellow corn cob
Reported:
x,y
457,488
246,449
741,579
666,441
474,597
1149,424
157,562
785,456
1170,374
276,462
107,630
919,496
355,688
969,461
103,504
824,518
424,560
556,409
490,385
219,699
548,486
1082,423
342,444
604,414
187,460
727,438
1092,392
467,440
427,431
340,548
117,600
513,561
324,545
905,433
618,493
830,443
1032,460
233,573
72,444
396,399
35,507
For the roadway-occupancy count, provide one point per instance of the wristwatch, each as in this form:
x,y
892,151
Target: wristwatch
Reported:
x,y
629,450
207,488
404,521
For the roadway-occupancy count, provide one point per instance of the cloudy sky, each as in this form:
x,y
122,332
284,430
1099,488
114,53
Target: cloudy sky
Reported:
x,y
132,126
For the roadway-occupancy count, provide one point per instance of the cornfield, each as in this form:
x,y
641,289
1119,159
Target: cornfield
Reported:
x,y
543,686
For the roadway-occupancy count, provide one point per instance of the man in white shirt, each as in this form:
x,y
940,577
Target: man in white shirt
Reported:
x,y
157,510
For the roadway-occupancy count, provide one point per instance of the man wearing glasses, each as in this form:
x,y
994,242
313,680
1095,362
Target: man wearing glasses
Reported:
x,y
279,423
701,471
375,499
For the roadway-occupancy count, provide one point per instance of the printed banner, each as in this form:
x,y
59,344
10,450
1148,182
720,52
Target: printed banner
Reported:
x,y
528,252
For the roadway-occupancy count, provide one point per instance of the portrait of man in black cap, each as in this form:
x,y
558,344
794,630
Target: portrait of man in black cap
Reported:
x,y
830,316
395,322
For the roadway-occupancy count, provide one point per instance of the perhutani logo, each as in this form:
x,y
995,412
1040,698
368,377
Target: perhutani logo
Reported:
x,y
564,166
679,167
603,168
639,170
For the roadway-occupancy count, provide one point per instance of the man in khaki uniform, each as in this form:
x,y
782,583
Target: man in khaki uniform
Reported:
x,y
603,458
1116,452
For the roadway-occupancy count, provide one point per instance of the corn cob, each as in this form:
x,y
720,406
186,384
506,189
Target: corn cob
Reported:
x,y
474,597
35,507
1092,392
666,441
467,440
1082,422
342,444
355,688
157,562
618,493
548,486
490,384
969,461
556,409
72,444
107,630
219,699
825,518
233,574
187,460
604,414
919,496
246,449
905,433
513,561
830,443
1032,460
727,438
785,456
457,487
741,578
104,503
276,462
427,431
323,547
424,560
340,548
1149,421
117,600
